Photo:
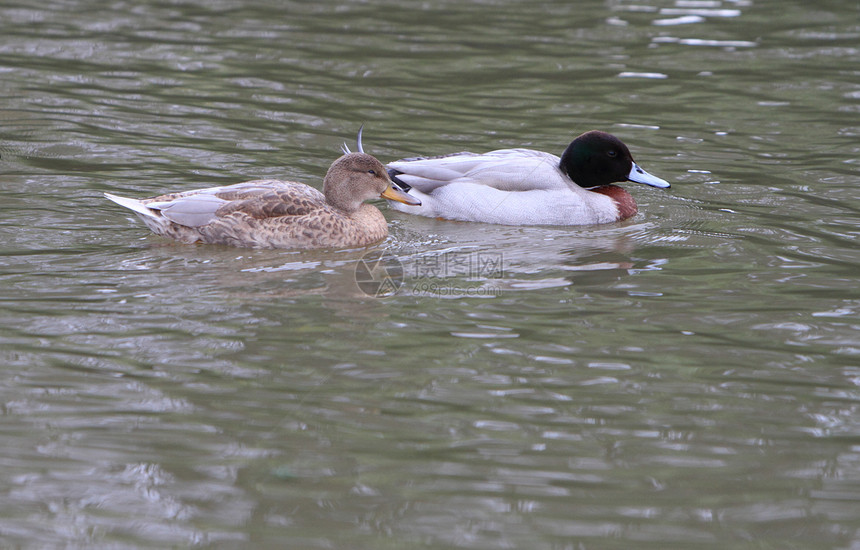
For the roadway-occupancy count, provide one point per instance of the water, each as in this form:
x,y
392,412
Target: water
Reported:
x,y
687,379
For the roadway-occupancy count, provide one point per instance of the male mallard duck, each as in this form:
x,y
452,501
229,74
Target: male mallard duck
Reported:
x,y
526,187
279,214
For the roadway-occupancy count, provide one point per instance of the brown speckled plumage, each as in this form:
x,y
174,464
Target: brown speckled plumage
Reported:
x,y
278,214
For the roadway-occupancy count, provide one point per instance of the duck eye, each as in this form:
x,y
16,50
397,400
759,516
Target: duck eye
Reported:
x,y
372,172
612,154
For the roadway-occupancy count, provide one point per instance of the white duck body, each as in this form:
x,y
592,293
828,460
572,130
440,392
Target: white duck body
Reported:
x,y
527,187
507,186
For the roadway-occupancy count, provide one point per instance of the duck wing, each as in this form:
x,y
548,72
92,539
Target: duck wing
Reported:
x,y
191,211
504,169
258,199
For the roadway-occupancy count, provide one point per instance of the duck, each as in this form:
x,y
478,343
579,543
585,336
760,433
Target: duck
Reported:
x,y
270,213
524,186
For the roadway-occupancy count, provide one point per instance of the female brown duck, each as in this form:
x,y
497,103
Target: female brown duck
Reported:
x,y
279,214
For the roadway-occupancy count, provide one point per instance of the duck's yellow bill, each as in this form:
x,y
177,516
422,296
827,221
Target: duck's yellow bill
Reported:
x,y
393,194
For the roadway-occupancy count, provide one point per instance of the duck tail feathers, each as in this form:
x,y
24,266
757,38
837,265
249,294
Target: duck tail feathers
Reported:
x,y
132,204
400,184
345,147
